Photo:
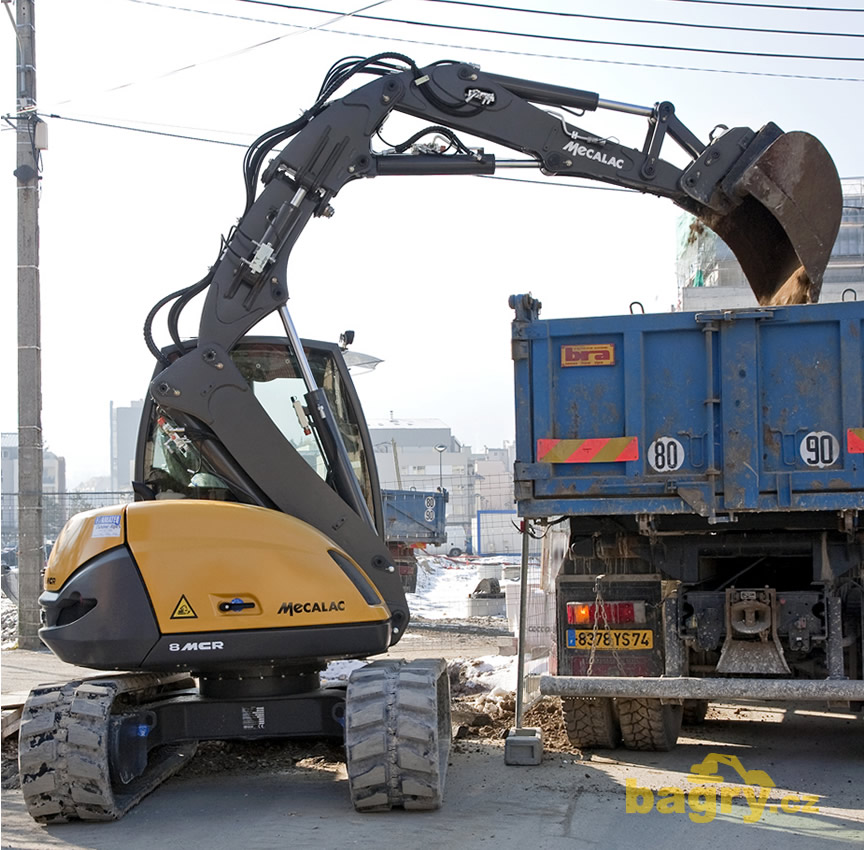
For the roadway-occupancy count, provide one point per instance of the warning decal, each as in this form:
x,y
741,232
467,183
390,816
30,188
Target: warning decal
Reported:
x,y
598,450
107,526
183,610
855,440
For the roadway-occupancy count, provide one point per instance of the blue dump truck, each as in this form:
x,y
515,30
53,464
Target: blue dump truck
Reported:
x,y
706,472
412,518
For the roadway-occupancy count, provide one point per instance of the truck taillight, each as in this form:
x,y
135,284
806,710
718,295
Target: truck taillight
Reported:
x,y
586,614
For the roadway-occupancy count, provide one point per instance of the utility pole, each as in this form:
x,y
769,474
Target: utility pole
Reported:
x,y
31,553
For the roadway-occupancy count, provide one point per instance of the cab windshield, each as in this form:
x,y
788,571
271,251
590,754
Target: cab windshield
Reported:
x,y
177,467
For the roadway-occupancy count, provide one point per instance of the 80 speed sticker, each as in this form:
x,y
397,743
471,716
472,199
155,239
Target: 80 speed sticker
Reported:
x,y
665,454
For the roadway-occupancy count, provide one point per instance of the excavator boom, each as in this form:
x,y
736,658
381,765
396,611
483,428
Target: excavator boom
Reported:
x,y
774,197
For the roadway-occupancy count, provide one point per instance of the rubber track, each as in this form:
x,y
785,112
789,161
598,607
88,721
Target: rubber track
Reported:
x,y
590,723
398,734
647,724
63,748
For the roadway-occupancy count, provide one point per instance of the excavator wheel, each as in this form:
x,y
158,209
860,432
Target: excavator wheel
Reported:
x,y
397,734
65,746
591,722
648,724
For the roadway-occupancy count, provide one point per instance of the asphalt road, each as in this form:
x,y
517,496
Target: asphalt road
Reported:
x,y
815,761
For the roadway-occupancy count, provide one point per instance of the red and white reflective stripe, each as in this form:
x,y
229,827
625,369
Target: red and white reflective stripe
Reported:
x,y
855,441
596,450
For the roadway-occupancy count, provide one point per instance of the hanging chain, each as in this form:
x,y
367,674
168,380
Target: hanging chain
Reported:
x,y
600,607
598,600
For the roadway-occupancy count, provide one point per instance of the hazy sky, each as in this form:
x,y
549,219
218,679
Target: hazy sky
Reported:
x,y
420,268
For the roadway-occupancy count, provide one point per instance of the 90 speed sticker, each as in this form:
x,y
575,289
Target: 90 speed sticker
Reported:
x,y
819,449
665,454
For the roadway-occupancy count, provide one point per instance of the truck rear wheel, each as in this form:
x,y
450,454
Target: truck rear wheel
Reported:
x,y
695,711
591,722
648,724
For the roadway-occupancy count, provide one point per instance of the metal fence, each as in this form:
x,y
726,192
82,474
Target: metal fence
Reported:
x,y
57,508
463,607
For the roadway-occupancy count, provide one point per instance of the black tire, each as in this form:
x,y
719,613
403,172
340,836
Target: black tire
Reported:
x,y
397,734
648,724
454,552
591,722
695,711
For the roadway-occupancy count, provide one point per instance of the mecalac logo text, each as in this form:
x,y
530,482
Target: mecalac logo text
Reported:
x,y
292,608
594,154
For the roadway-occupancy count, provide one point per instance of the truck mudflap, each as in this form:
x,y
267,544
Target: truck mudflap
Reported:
x,y
689,688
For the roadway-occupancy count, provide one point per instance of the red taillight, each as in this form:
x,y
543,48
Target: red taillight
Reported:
x,y
586,614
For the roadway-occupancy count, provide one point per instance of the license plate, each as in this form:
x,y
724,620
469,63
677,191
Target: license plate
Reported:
x,y
617,639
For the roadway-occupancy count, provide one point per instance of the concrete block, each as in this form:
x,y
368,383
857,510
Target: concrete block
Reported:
x,y
486,607
523,746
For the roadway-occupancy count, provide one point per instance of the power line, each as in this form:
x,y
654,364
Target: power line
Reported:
x,y
768,6
338,16
642,20
562,38
147,132
500,52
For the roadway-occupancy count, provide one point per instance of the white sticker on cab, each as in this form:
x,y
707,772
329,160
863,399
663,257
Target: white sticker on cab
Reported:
x,y
107,526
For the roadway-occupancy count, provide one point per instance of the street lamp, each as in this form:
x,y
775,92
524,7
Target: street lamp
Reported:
x,y
440,448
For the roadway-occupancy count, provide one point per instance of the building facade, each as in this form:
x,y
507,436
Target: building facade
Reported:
x,y
423,454
124,436
53,468
709,276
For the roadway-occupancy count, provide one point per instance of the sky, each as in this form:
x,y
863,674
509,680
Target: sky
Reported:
x,y
420,268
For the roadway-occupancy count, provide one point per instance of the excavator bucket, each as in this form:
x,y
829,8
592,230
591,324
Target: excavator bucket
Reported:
x,y
783,230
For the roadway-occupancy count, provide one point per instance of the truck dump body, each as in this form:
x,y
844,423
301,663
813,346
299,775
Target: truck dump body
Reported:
x,y
709,470
710,414
411,516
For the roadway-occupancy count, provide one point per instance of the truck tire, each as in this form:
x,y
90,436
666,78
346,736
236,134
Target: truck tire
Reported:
x,y
695,711
591,722
648,724
397,734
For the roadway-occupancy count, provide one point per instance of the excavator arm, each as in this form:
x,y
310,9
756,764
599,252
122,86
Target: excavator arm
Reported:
x,y
773,197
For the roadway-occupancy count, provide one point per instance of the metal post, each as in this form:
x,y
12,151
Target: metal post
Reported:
x,y
440,448
31,553
523,610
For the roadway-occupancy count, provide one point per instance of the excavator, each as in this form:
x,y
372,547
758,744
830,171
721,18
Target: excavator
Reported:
x,y
253,553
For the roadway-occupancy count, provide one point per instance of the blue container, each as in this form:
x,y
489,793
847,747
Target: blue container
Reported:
x,y
412,516
714,414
